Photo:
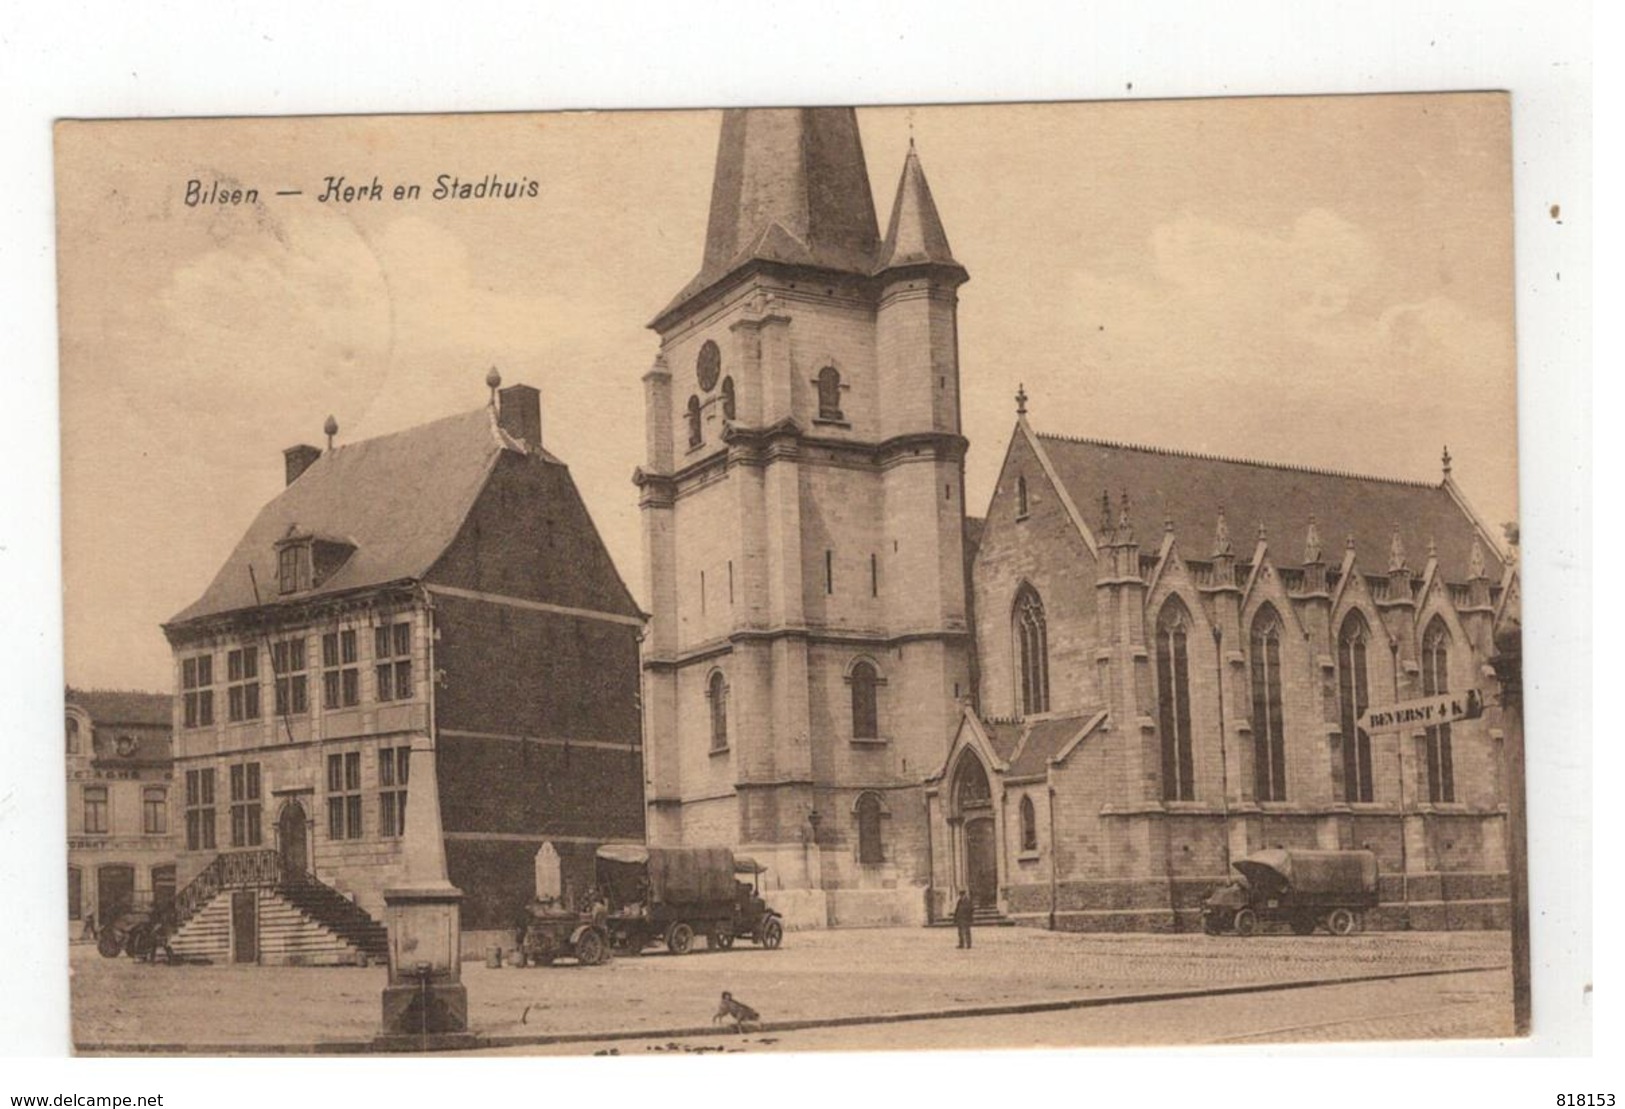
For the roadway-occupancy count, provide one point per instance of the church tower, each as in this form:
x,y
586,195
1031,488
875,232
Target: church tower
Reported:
x,y
803,509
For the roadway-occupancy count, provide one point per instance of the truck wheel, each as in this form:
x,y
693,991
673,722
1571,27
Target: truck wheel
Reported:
x,y
772,934
110,944
680,938
590,949
1246,922
720,940
1303,925
1340,922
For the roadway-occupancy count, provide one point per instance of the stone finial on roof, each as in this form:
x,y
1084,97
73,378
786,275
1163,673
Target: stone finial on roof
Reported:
x,y
1263,533
330,429
1396,552
1168,523
1475,562
1433,548
1311,542
1125,530
1221,536
1348,544
1105,516
1445,460
1021,400
493,382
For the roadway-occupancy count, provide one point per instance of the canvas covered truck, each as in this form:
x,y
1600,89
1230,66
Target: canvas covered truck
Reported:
x,y
672,895
1304,889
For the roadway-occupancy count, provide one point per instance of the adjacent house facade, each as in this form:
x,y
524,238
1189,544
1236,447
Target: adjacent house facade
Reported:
x,y
121,804
429,610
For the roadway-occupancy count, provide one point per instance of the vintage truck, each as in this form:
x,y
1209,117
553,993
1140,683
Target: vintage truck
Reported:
x,y
671,895
1302,888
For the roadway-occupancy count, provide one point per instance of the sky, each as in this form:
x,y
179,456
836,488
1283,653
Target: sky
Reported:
x,y
1317,281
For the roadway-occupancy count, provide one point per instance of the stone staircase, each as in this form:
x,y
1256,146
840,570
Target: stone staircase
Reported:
x,y
300,920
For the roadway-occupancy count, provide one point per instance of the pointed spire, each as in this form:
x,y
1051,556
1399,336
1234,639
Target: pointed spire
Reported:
x,y
1445,459
1106,516
1125,530
1475,562
1021,400
1396,553
1311,542
1221,536
914,237
790,186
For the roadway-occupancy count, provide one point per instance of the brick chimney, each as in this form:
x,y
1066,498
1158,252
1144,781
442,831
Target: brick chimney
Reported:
x,y
519,411
298,459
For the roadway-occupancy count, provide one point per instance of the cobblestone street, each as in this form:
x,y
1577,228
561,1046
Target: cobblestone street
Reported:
x,y
817,976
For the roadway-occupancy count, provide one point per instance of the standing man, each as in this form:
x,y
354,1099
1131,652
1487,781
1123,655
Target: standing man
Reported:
x,y
963,913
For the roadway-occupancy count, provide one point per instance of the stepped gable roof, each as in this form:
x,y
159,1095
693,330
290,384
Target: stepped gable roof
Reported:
x,y
399,500
123,706
1191,488
790,186
915,235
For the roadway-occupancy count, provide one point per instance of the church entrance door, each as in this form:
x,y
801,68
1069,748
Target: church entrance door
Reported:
x,y
982,863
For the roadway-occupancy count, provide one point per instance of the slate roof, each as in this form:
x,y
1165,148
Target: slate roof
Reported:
x,y
122,706
915,235
1026,746
1189,489
398,499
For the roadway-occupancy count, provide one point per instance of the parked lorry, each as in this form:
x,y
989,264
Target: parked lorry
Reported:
x,y
671,895
1305,889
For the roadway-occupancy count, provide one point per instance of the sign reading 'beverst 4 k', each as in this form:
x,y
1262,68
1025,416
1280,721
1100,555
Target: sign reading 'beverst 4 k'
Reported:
x,y
1426,712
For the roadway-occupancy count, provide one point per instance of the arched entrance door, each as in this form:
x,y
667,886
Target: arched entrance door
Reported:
x,y
292,842
973,804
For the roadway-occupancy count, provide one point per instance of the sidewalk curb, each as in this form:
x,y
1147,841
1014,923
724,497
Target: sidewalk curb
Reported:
x,y
480,1042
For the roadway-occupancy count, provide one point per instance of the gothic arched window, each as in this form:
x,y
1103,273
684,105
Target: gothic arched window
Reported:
x,y
870,849
865,709
73,736
1032,651
693,419
1269,733
717,694
729,403
1354,697
1021,497
1436,679
829,393
1174,701
1029,825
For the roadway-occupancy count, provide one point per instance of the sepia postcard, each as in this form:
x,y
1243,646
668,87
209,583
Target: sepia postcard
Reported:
x,y
793,579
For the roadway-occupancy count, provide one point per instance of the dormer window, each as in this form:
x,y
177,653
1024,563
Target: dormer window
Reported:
x,y
293,567
304,561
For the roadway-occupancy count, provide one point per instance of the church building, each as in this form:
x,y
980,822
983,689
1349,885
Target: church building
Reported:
x,y
1142,665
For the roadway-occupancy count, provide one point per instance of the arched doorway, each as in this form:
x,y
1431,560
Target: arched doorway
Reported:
x,y
292,842
973,805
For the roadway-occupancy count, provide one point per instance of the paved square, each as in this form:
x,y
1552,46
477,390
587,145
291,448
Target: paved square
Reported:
x,y
815,976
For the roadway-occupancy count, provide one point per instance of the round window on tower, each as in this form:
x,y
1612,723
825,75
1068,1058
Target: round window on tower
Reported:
x,y
709,366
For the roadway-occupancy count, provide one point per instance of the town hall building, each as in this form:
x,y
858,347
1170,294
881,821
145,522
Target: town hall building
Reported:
x,y
431,610
1142,665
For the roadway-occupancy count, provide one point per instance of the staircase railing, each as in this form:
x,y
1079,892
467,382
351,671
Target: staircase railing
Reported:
x,y
257,869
